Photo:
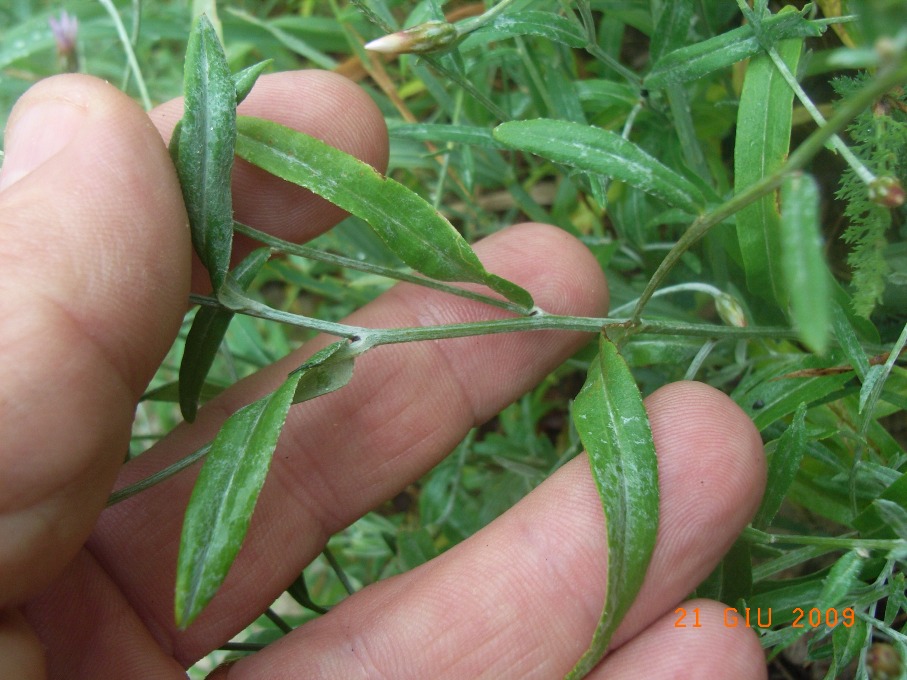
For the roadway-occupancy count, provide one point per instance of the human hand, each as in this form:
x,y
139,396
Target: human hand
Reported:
x,y
96,271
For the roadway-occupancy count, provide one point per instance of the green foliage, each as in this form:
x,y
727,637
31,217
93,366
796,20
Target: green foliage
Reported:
x,y
880,139
665,137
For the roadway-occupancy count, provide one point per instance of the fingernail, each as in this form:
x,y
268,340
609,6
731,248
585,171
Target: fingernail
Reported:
x,y
36,134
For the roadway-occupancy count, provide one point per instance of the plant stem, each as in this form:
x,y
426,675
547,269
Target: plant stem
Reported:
x,y
888,76
357,265
130,53
158,477
373,337
864,173
338,570
833,542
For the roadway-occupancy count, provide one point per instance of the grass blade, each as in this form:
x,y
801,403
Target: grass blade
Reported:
x,y
782,468
763,140
205,149
614,429
410,226
802,261
602,152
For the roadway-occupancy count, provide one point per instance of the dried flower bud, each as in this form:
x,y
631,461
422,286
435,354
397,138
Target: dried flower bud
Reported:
x,y
432,36
65,31
887,191
730,311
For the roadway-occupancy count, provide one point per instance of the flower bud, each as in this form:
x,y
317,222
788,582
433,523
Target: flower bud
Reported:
x,y
432,36
730,310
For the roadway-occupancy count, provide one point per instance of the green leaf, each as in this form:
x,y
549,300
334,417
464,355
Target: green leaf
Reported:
x,y
805,273
776,396
529,22
894,515
870,522
870,384
614,428
848,340
782,468
763,140
437,132
674,23
224,496
602,152
840,580
410,227
205,149
327,370
245,80
732,579
206,334
695,61
847,641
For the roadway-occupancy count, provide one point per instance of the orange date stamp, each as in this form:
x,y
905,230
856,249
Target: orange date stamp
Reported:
x,y
761,617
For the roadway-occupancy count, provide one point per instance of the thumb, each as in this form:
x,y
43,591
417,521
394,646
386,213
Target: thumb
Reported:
x,y
92,289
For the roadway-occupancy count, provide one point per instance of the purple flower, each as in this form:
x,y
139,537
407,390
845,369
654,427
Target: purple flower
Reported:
x,y
65,30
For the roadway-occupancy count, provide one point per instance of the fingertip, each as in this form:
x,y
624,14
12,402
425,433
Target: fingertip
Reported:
x,y
716,453
693,641
566,277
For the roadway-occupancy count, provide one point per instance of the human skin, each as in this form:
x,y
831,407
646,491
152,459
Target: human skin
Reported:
x,y
97,267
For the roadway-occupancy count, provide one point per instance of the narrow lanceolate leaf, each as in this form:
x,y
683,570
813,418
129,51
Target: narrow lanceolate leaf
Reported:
x,y
206,334
782,469
763,140
802,261
602,152
695,61
410,227
205,149
224,496
614,428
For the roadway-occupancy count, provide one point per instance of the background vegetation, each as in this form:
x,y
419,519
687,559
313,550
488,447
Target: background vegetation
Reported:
x,y
828,392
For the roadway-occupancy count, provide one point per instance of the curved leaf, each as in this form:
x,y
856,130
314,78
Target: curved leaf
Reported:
x,y
224,496
410,227
614,428
204,149
602,152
